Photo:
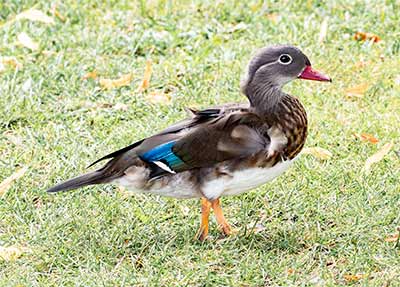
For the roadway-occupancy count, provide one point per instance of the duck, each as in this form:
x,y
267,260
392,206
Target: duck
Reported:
x,y
219,151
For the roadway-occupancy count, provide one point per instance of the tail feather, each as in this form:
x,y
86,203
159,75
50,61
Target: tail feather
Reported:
x,y
90,178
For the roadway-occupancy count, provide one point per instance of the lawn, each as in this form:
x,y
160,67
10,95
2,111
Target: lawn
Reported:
x,y
325,222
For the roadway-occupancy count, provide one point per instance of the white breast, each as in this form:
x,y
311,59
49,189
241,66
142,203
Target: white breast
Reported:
x,y
243,180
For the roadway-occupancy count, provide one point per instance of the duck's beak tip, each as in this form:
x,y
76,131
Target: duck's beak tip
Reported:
x,y
310,74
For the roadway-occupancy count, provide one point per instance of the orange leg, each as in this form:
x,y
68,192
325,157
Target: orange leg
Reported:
x,y
205,214
215,204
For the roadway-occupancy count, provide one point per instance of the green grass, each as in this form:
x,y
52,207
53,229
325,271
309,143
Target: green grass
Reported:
x,y
321,220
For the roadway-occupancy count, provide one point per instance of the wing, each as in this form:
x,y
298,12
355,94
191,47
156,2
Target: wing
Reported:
x,y
210,136
231,136
197,117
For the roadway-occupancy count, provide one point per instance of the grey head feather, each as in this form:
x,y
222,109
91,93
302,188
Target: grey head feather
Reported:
x,y
267,73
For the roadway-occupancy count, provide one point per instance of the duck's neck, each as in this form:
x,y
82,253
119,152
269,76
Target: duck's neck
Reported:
x,y
264,98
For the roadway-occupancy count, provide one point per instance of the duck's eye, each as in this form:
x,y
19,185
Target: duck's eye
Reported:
x,y
285,59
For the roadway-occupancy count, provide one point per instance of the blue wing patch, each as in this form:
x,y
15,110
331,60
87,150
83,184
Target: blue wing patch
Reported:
x,y
163,153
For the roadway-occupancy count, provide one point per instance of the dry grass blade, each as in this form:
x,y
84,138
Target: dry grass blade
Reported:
x,y
317,152
57,14
323,30
35,15
6,183
12,253
26,41
378,156
124,80
146,77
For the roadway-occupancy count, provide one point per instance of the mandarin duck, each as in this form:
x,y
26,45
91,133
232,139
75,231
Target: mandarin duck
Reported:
x,y
219,151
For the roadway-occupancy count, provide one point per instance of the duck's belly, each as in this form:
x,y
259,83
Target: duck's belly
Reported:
x,y
177,185
181,185
243,180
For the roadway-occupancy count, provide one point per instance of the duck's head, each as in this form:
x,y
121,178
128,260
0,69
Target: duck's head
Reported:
x,y
277,65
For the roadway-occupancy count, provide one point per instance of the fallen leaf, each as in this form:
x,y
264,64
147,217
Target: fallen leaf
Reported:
x,y
26,41
146,77
12,253
357,91
378,156
367,137
10,61
290,271
124,80
6,183
158,98
323,31
317,152
35,15
90,75
364,36
392,238
353,278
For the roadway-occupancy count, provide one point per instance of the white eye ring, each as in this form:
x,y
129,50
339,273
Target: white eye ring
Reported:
x,y
285,59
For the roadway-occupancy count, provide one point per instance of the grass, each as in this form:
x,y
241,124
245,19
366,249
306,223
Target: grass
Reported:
x,y
319,222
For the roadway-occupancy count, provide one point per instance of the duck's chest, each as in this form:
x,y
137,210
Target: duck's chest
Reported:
x,y
291,120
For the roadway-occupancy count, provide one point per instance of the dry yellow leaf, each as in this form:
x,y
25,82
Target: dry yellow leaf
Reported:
x,y
146,77
392,238
353,278
35,15
124,80
26,41
158,98
10,61
323,31
367,137
378,156
90,75
12,253
357,91
290,271
6,183
364,36
318,152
